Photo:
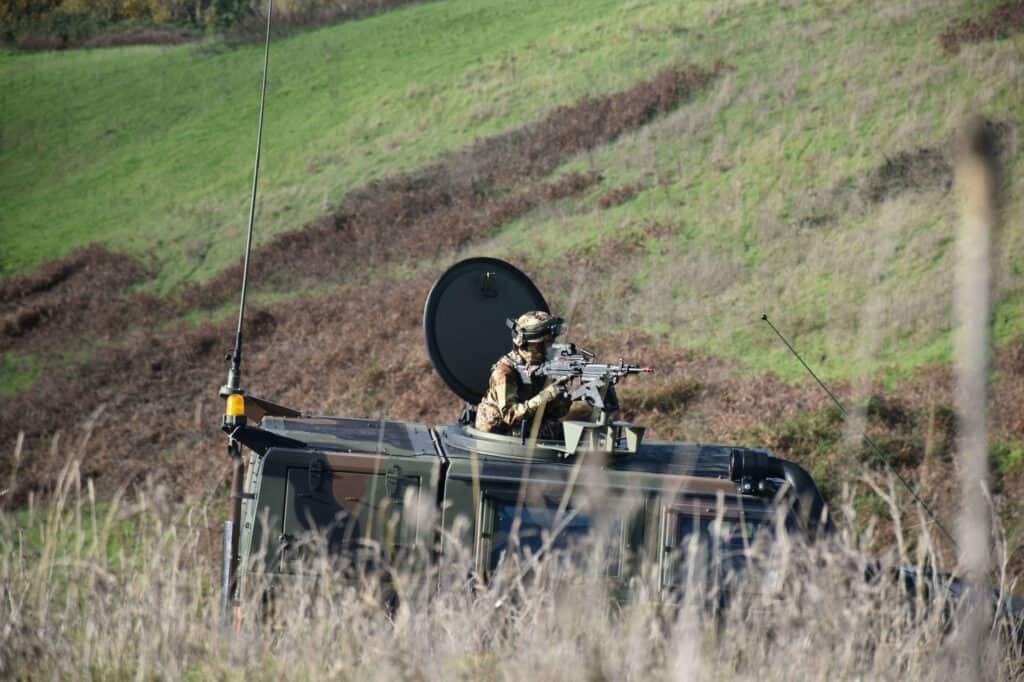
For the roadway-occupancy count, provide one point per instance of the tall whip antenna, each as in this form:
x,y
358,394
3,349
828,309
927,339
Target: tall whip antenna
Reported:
x,y
234,412
235,372
877,450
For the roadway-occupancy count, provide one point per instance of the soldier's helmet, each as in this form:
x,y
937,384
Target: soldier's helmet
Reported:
x,y
535,326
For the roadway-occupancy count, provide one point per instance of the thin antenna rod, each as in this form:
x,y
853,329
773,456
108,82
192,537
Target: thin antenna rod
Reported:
x,y
234,374
877,450
233,386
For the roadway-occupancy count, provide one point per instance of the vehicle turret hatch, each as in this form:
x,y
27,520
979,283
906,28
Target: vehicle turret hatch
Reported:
x,y
464,320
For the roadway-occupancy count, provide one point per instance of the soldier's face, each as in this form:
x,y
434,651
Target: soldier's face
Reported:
x,y
537,353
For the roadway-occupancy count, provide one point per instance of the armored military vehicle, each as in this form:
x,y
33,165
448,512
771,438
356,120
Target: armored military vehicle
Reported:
x,y
357,482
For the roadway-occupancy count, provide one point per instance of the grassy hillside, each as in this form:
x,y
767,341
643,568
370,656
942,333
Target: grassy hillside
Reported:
x,y
763,192
149,149
777,192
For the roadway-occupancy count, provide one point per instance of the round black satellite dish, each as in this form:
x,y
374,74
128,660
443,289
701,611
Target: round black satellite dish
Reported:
x,y
464,320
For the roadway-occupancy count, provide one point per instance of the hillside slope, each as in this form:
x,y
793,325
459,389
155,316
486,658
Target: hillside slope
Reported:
x,y
809,182
149,149
665,172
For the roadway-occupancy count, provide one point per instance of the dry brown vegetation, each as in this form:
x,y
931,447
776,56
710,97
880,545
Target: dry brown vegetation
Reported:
x,y
619,195
1001,21
293,16
72,24
89,290
123,38
920,169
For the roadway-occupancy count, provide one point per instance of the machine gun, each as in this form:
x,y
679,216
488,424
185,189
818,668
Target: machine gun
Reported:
x,y
597,380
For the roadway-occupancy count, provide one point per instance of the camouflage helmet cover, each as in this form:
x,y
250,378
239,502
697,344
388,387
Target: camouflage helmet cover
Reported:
x,y
535,326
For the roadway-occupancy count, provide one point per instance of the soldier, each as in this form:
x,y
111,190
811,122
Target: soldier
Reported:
x,y
516,392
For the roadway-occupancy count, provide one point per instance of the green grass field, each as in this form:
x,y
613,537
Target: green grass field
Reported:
x,y
736,173
17,371
149,150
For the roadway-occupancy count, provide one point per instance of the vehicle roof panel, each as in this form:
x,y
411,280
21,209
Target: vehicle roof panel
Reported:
x,y
355,435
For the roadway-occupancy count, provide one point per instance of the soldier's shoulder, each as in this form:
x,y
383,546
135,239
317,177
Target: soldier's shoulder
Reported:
x,y
505,368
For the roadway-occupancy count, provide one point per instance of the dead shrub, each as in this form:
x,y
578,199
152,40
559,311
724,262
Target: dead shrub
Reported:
x,y
1002,21
297,16
140,36
619,196
921,169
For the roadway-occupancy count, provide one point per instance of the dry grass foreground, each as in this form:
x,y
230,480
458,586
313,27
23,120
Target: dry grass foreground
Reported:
x,y
127,591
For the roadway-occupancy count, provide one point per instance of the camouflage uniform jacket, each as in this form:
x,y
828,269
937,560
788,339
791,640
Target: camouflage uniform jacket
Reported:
x,y
513,382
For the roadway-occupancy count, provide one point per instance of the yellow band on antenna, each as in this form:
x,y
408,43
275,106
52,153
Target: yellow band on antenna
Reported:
x,y
235,406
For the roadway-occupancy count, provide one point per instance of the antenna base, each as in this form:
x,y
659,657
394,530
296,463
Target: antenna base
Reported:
x,y
228,389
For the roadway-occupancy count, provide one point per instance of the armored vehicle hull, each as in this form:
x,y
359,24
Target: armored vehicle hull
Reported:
x,y
384,489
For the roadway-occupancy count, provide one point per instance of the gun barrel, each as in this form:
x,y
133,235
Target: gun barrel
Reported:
x,y
634,369
618,368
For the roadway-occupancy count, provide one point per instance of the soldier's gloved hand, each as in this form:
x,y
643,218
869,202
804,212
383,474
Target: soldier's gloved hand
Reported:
x,y
550,392
561,382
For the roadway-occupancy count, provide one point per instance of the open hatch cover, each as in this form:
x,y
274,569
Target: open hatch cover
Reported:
x,y
464,320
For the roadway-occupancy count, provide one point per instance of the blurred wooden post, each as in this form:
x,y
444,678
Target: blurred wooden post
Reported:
x,y
977,182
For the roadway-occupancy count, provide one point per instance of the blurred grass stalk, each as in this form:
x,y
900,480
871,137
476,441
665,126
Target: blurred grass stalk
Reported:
x,y
977,182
